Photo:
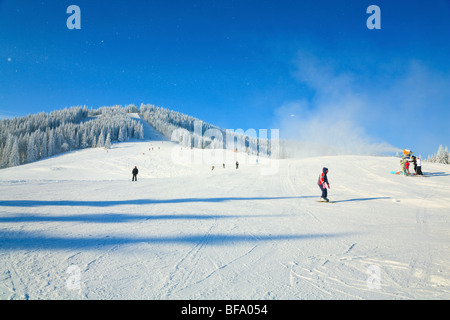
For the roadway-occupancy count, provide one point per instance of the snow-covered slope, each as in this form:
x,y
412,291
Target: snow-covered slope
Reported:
x,y
75,226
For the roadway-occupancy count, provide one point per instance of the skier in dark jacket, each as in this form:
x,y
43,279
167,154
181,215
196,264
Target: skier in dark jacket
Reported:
x,y
323,184
135,173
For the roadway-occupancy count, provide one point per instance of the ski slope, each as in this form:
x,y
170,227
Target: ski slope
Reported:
x,y
75,226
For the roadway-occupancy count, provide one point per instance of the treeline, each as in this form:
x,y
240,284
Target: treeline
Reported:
x,y
441,156
194,133
30,138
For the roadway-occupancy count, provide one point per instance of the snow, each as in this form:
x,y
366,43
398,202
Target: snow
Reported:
x,y
75,226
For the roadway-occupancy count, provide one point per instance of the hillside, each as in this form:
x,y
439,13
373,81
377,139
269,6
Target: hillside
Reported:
x,y
74,226
24,140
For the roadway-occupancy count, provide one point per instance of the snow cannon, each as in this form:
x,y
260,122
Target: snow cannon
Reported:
x,y
407,154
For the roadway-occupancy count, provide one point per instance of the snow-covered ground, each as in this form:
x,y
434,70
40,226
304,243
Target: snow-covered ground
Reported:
x,y
75,226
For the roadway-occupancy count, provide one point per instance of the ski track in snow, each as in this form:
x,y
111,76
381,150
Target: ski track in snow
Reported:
x,y
186,232
185,268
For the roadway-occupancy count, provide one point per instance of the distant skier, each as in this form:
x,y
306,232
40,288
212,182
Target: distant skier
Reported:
x,y
323,184
135,173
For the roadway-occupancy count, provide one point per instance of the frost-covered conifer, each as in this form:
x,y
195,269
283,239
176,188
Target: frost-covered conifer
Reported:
x,y
44,145
32,149
14,157
108,141
101,140
4,162
442,156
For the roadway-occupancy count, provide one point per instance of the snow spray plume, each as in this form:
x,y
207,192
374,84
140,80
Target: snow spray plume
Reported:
x,y
329,123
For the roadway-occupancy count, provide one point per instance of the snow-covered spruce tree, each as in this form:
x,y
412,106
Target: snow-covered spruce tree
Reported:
x,y
122,135
108,141
442,155
84,140
101,139
44,145
51,143
32,148
14,156
6,152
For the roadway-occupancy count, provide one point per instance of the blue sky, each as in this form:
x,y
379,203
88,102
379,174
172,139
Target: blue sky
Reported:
x,y
309,68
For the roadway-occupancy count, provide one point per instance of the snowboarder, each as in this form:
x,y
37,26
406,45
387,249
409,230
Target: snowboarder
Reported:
x,y
135,173
323,184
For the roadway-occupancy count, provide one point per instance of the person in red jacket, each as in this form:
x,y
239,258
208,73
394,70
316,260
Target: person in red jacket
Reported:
x,y
323,184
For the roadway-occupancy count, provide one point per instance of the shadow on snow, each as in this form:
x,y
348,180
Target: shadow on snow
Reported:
x,y
363,199
109,203
11,240
436,174
119,217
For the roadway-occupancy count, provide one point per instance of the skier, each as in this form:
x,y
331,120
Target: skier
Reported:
x,y
135,173
237,165
323,184
414,161
419,167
